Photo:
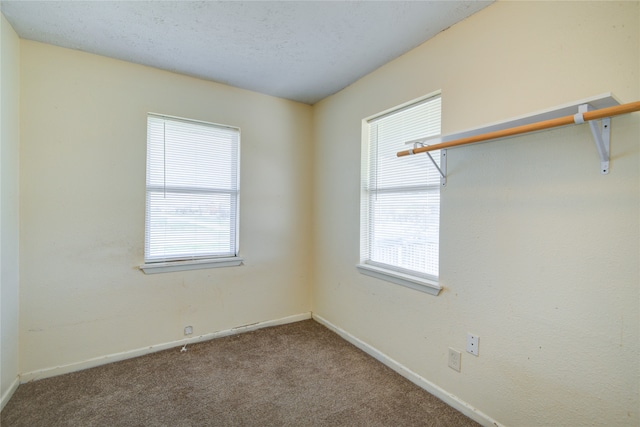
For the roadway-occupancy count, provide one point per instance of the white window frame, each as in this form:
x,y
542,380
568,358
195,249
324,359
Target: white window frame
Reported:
x,y
392,273
179,262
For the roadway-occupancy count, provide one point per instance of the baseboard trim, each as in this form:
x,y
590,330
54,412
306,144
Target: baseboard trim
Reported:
x,y
450,399
7,394
116,357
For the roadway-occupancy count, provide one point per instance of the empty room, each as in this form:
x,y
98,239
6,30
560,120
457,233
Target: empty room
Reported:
x,y
357,213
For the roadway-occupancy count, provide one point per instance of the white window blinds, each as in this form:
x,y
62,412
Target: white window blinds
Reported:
x,y
401,197
192,190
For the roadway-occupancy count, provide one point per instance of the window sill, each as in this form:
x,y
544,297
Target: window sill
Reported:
x,y
167,267
413,282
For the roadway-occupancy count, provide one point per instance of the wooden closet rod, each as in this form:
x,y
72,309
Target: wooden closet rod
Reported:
x,y
533,127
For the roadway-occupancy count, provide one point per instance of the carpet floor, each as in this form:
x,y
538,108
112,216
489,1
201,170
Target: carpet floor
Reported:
x,y
299,374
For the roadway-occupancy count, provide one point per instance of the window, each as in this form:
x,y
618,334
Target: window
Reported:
x,y
192,195
400,198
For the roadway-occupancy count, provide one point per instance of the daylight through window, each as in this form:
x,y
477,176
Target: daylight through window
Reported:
x,y
401,197
192,190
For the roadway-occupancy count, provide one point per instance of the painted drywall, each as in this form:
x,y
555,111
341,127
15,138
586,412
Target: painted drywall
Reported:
x,y
82,184
9,219
539,252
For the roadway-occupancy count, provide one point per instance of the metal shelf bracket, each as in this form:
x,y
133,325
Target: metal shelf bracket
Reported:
x,y
442,168
601,130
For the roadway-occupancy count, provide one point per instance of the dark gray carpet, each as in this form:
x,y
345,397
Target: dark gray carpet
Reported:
x,y
300,374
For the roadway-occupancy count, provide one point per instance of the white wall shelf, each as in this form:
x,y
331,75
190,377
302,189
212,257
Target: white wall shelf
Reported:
x,y
596,110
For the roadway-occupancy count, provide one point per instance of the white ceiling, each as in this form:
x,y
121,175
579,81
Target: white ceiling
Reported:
x,y
299,50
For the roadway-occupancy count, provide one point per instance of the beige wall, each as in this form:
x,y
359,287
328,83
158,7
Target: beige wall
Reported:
x,y
539,252
9,221
82,183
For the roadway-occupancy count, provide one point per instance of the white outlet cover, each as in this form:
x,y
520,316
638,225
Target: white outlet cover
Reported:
x,y
188,330
454,359
473,342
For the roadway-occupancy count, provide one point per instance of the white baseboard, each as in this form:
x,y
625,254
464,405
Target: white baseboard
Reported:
x,y
7,394
450,399
116,357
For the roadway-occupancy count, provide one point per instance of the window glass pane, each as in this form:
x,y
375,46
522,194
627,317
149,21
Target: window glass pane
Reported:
x,y
404,230
389,135
190,225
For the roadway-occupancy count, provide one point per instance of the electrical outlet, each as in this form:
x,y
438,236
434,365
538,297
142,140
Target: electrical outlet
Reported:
x,y
473,342
188,330
454,359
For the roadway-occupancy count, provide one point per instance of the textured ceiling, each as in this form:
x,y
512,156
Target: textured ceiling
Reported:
x,y
299,50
